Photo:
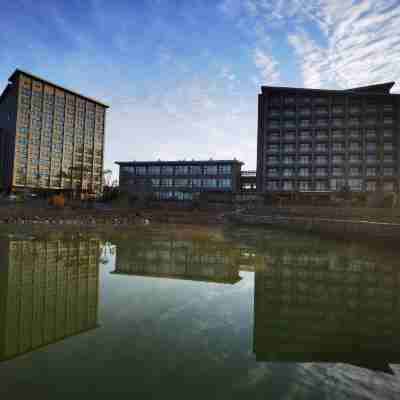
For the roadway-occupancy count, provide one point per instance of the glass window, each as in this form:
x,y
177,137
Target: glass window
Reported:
x,y
388,187
355,184
304,186
167,170
196,182
210,170
181,182
225,169
371,186
272,160
304,172
181,170
210,183
154,170
288,185
321,186
273,185
288,172
388,171
196,170
355,171
225,183
371,171
166,182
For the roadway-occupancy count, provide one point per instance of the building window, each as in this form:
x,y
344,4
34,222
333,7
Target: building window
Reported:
x,y
272,172
287,172
271,160
304,147
371,186
181,170
320,172
225,169
210,183
225,183
196,170
321,147
337,159
289,148
273,185
181,182
388,158
140,170
355,184
166,182
154,170
355,171
388,171
321,186
196,182
210,170
304,186
288,160
304,172
321,159
355,158
167,170
337,171
288,185
303,160
371,171
388,187
388,146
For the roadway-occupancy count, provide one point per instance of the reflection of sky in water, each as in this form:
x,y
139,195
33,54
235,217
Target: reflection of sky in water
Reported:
x,y
187,336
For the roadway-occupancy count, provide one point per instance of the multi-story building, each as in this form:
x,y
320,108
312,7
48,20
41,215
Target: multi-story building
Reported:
x,y
313,140
180,180
51,138
49,290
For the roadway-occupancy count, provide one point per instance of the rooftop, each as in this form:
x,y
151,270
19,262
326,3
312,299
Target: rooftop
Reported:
x,y
377,89
179,162
17,72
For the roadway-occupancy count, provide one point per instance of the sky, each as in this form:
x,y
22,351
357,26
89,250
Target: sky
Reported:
x,y
182,76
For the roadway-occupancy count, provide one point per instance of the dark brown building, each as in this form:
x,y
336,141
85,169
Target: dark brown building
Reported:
x,y
51,138
180,180
313,140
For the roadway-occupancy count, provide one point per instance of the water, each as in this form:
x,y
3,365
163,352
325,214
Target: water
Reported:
x,y
176,312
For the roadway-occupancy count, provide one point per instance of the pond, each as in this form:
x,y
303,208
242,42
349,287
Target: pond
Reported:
x,y
197,312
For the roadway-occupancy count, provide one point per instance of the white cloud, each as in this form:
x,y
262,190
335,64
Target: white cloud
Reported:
x,y
358,44
267,66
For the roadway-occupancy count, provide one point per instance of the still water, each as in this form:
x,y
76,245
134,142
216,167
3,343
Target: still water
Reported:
x,y
194,313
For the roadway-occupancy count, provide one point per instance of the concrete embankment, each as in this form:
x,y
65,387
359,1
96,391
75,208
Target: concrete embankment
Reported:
x,y
345,228
95,217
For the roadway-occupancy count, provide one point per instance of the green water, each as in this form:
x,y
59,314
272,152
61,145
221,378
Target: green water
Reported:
x,y
178,312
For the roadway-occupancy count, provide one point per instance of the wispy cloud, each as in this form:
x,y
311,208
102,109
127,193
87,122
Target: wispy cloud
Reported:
x,y
267,66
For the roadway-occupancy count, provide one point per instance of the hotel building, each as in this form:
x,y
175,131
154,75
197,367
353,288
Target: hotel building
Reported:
x,y
313,140
180,180
51,138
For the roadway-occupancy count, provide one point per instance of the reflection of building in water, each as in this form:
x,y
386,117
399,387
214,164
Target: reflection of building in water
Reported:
x,y
180,259
48,291
312,306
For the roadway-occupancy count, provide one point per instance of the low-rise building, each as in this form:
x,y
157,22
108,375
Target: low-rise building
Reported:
x,y
180,180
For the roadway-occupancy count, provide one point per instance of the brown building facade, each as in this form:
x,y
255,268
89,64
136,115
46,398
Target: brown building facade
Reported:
x,y
324,140
51,138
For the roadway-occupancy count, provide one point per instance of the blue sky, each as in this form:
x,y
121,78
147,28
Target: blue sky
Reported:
x,y
182,76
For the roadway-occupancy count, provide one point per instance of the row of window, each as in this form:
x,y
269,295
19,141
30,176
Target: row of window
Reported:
x,y
325,109
321,159
178,170
324,147
322,100
324,134
336,171
327,122
333,184
170,195
205,183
